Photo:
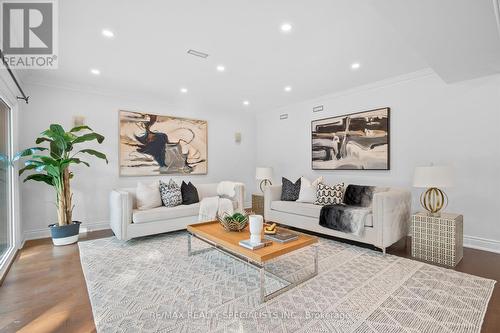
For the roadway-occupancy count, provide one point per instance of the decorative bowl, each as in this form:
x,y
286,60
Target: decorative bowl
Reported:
x,y
235,222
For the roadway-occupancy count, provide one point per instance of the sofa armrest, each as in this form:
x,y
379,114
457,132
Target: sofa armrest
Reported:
x,y
271,193
391,214
239,196
120,213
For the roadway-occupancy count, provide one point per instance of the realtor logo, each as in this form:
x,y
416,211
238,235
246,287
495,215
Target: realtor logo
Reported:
x,y
29,33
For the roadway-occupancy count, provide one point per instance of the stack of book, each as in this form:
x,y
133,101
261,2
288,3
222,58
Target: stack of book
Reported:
x,y
254,246
282,236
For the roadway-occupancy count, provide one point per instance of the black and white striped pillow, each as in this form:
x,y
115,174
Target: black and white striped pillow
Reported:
x,y
329,195
171,194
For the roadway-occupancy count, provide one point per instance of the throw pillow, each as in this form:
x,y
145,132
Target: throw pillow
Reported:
x,y
147,196
171,194
329,195
308,190
290,191
358,195
189,193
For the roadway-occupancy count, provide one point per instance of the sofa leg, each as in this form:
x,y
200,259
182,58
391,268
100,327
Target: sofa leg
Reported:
x,y
383,251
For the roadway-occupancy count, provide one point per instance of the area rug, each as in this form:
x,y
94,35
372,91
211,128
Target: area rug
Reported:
x,y
151,285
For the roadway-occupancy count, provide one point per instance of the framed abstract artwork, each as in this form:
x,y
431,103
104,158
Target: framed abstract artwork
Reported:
x,y
153,144
357,141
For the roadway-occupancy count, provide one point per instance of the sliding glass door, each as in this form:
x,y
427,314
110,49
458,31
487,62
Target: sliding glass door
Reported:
x,y
6,239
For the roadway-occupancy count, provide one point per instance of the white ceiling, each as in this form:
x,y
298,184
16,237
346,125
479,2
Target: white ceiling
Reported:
x,y
148,56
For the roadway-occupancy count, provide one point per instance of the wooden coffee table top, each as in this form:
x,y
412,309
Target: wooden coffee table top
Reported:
x,y
229,240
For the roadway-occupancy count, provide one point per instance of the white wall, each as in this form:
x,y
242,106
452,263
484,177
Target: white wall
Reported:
x,y
431,121
227,160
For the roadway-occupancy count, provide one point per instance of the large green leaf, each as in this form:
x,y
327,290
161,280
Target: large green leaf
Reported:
x,y
40,140
50,169
57,147
58,143
46,159
80,128
26,168
40,178
34,162
49,134
74,160
95,153
58,129
69,137
27,152
89,137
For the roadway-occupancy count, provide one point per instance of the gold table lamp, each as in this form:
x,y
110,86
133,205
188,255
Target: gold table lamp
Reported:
x,y
264,174
433,200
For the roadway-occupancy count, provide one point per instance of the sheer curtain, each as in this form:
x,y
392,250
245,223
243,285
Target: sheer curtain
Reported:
x,y
6,237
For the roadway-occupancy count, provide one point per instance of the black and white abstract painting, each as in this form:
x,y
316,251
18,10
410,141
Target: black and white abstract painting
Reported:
x,y
357,141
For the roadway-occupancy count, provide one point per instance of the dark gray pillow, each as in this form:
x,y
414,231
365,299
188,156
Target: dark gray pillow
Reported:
x,y
189,194
289,191
358,195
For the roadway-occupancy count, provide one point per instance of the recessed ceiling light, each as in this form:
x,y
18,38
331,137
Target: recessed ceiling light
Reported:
x,y
107,33
287,89
95,71
184,90
221,68
286,27
246,103
355,65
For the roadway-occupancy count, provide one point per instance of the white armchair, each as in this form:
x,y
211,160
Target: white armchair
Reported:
x,y
128,222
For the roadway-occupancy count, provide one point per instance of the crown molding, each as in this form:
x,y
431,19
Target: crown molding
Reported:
x,y
428,72
78,88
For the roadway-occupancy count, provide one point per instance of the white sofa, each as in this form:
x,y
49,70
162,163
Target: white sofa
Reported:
x,y
128,222
387,223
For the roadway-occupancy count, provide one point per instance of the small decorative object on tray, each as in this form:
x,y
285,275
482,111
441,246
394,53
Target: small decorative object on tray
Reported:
x,y
282,236
235,222
270,229
254,246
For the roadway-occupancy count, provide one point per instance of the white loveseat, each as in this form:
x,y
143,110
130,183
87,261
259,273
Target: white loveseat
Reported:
x,y
387,223
128,222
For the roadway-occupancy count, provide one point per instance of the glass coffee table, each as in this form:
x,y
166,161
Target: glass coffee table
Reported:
x,y
214,234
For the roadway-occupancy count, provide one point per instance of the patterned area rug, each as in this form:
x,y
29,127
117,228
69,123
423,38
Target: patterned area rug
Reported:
x,y
151,285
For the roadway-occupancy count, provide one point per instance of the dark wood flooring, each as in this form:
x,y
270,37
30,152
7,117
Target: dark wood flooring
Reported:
x,y
45,290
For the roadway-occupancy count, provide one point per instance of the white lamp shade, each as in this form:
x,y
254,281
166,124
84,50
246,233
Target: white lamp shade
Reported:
x,y
263,173
433,176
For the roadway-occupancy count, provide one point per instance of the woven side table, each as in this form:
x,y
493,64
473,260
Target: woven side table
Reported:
x,y
258,204
437,239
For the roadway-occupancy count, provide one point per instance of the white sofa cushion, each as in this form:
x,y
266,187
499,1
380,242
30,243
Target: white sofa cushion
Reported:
x,y
298,208
306,209
164,213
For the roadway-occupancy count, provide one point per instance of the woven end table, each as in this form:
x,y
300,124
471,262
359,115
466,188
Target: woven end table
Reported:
x,y
437,239
258,204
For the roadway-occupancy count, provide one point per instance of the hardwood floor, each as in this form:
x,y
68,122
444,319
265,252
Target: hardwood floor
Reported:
x,y
45,290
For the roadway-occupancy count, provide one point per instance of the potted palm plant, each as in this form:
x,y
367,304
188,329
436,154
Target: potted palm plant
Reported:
x,y
51,165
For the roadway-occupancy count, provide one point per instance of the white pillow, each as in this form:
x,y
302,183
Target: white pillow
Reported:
x,y
148,196
308,190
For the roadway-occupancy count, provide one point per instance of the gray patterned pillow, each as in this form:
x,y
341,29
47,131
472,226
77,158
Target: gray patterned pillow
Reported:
x,y
329,195
289,191
171,195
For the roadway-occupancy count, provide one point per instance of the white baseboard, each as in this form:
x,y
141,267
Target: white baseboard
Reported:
x,y
478,243
484,244
45,232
